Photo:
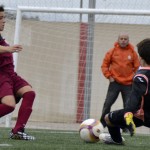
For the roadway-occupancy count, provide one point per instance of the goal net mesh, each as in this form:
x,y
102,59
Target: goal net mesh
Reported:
x,y
61,59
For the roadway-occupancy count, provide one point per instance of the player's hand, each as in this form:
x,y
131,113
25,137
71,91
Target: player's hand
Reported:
x,y
111,79
129,122
14,48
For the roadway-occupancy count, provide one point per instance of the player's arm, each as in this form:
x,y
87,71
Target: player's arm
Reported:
x,y
139,88
10,49
106,64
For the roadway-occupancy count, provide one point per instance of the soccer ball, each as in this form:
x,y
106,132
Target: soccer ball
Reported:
x,y
90,130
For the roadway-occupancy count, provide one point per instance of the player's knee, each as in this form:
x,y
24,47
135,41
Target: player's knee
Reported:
x,y
28,98
9,101
32,94
11,104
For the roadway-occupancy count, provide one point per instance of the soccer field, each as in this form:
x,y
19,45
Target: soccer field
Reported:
x,y
54,140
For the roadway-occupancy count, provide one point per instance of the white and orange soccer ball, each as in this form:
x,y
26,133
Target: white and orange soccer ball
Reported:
x,y
90,130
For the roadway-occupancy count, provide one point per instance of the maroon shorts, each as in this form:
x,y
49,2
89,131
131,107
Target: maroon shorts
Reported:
x,y
9,85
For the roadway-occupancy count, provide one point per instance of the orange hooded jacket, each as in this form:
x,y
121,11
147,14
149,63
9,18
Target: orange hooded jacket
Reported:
x,y
121,64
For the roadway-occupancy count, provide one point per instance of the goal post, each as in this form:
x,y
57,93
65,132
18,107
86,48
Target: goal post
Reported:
x,y
61,59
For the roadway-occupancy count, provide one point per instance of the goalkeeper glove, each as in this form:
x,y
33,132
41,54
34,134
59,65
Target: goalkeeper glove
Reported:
x,y
129,122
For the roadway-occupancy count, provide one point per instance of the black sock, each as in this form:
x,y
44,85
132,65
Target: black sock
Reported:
x,y
115,134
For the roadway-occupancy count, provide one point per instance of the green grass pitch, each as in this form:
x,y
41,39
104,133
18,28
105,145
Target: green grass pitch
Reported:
x,y
57,140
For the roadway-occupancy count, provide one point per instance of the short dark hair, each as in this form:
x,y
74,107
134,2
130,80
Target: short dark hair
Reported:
x,y
1,8
144,50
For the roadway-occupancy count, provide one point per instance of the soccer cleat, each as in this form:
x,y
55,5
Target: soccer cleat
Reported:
x,y
129,122
106,138
21,136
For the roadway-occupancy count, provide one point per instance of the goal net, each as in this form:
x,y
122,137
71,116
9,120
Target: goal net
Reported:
x,y
62,53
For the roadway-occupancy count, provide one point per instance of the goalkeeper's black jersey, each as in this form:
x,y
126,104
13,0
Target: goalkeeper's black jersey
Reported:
x,y
140,90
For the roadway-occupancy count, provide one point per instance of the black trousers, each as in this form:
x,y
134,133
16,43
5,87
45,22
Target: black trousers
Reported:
x,y
112,94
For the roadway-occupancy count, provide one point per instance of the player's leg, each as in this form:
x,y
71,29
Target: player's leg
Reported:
x,y
24,113
7,100
24,90
115,121
26,107
7,105
112,94
125,93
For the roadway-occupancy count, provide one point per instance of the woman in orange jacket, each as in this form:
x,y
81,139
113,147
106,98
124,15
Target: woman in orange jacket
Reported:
x,y
119,66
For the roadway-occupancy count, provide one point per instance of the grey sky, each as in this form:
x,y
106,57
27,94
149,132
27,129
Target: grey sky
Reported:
x,y
116,4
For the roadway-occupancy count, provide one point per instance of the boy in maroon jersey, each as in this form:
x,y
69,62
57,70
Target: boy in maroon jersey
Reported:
x,y
137,110
13,87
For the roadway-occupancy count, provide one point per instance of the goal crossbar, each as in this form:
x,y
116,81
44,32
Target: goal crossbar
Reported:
x,y
86,11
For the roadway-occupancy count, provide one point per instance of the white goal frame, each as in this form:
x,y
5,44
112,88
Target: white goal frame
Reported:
x,y
21,9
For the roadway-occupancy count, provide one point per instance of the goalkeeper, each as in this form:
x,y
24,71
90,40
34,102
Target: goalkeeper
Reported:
x,y
137,111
